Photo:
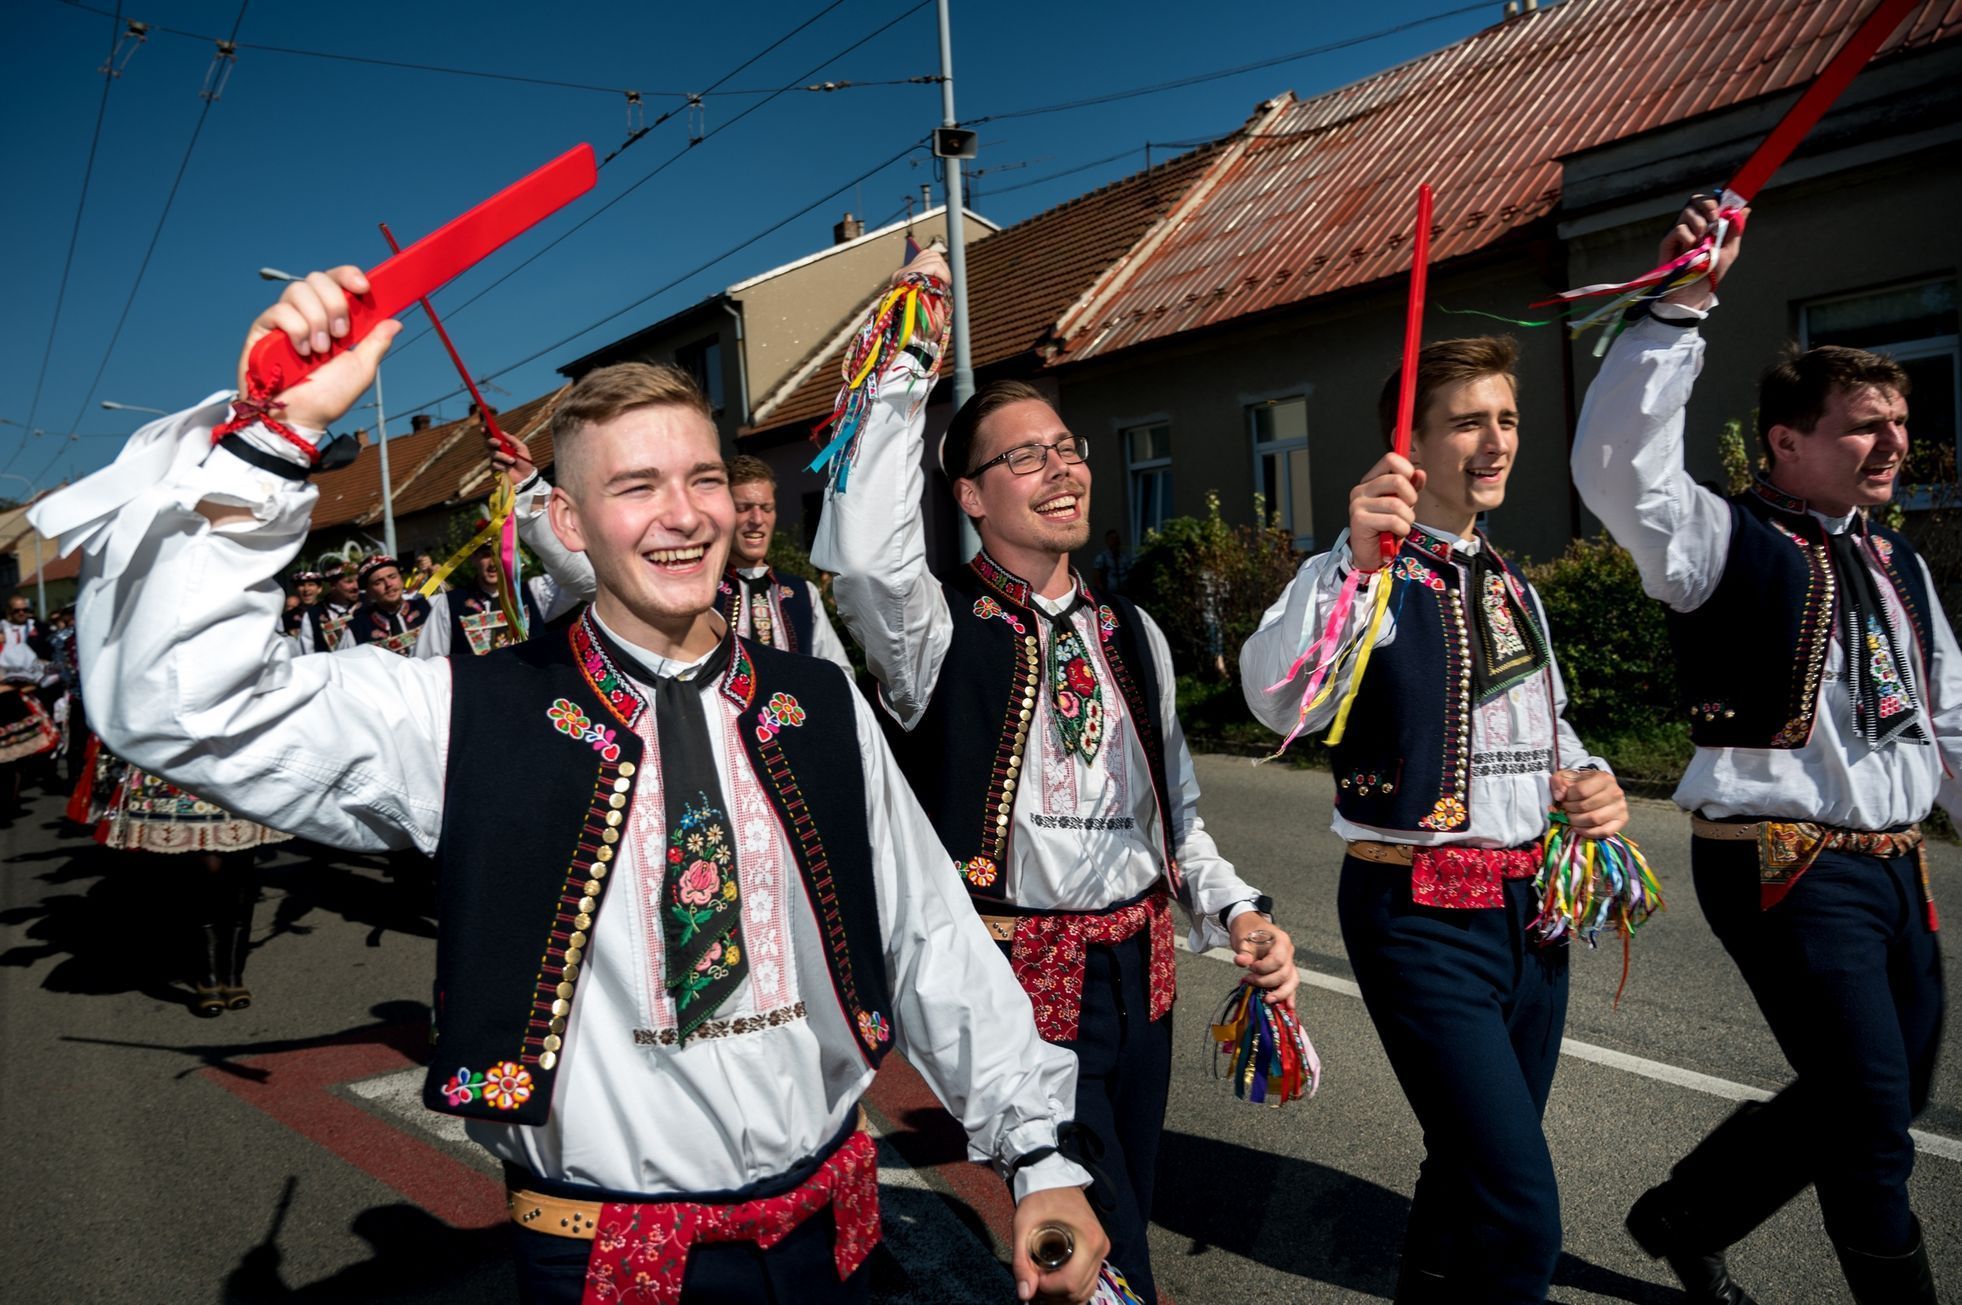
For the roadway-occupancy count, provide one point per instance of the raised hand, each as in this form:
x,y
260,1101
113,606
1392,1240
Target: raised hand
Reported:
x,y
1384,503
313,313
512,457
931,262
1696,220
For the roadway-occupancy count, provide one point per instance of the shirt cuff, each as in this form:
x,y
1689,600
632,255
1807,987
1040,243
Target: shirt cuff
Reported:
x,y
1680,314
1052,1171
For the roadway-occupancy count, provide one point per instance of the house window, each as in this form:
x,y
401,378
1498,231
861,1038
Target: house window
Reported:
x,y
1915,325
703,361
1148,459
1280,446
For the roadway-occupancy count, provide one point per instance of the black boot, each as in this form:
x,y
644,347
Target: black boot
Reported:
x,y
1904,1279
1667,1232
1417,1286
244,893
213,960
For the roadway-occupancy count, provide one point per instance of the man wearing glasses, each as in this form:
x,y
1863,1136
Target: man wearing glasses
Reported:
x,y
1036,724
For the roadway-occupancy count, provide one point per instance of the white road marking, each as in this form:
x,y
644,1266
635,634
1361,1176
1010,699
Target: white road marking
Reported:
x,y
1935,1144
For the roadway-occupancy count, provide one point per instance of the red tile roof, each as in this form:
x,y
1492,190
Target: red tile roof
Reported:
x,y
1021,279
1317,199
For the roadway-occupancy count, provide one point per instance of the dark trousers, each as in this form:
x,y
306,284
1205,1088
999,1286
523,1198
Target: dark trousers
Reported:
x,y
1470,1014
1123,1076
1849,978
799,1270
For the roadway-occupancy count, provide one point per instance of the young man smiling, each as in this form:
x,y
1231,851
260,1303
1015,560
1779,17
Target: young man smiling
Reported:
x,y
672,1081
1036,721
1455,748
1825,701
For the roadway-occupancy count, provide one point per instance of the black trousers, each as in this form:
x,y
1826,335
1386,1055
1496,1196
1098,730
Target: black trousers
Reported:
x,y
1471,1016
1123,1077
1849,978
799,1270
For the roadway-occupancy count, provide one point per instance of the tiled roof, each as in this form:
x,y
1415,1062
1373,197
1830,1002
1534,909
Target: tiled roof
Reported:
x,y
57,568
1020,280
1319,199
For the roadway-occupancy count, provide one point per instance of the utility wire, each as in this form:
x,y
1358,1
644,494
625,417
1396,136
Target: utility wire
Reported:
x,y
1198,78
699,268
450,312
74,233
155,236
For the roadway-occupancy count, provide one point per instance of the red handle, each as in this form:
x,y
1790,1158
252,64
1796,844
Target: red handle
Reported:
x,y
1413,339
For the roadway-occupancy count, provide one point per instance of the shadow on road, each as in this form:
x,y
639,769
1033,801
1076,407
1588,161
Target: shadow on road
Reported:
x,y
416,1257
1338,1229
403,1025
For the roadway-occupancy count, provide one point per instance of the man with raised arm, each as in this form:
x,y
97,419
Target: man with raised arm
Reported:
x,y
673,1082
1456,747
1036,722
1825,701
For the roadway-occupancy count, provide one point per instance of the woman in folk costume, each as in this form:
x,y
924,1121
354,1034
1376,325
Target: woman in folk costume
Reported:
x,y
27,730
1457,747
673,1081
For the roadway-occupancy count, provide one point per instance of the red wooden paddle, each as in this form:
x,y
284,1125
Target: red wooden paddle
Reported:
x,y
1413,340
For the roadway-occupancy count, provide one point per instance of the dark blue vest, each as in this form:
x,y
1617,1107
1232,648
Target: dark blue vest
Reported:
x,y
966,756
370,623
1405,760
793,600
523,873
1751,660
470,600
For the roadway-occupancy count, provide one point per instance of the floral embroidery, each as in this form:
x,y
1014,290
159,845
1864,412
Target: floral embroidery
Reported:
x,y
1409,568
621,698
980,871
1364,782
504,1086
1449,813
987,608
781,712
701,888
872,1028
739,680
1106,621
1506,641
1076,695
1883,549
568,719
1048,956
1893,695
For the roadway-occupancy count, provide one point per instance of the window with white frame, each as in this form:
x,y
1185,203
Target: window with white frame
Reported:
x,y
1280,452
1148,462
1915,325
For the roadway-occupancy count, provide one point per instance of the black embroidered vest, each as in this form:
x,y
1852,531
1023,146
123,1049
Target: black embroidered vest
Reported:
x,y
468,603
1751,659
543,768
793,601
1405,760
969,751
372,625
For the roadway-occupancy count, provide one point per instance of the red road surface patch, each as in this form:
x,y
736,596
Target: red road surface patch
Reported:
x,y
296,1088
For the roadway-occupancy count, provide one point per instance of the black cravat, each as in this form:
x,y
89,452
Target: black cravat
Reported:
x,y
1509,647
1076,696
1883,706
701,903
757,596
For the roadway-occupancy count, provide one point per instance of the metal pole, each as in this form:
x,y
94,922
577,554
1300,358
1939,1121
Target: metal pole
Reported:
x,y
40,585
956,254
388,489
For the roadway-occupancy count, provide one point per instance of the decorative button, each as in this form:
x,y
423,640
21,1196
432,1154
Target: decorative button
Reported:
x,y
561,1006
553,1042
1029,642
1025,715
557,1026
549,1060
593,887
586,904
1014,764
610,836
617,801
573,956
565,995
571,972
1001,822
583,920
599,871
627,768
579,940
604,855
613,819
622,785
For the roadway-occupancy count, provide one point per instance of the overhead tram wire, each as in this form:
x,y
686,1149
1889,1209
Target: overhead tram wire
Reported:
x,y
1196,79
74,234
697,270
450,312
211,97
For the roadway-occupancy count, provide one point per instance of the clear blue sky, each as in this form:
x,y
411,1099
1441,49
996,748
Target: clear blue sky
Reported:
x,y
302,156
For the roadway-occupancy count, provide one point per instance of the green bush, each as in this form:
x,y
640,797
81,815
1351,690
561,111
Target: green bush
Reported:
x,y
1610,637
1206,584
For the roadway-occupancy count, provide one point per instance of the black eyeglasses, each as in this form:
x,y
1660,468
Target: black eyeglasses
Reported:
x,y
1027,459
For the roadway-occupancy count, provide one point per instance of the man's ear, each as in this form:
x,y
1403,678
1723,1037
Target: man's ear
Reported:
x,y
563,513
968,495
1784,441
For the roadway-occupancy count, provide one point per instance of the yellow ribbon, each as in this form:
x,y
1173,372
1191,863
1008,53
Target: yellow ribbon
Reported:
x,y
502,503
1379,608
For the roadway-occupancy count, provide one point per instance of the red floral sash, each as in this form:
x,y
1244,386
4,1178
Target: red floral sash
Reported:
x,y
640,1252
1048,957
1465,878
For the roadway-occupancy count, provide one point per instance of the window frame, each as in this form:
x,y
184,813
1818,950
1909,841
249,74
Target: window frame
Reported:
x,y
1304,541
1134,508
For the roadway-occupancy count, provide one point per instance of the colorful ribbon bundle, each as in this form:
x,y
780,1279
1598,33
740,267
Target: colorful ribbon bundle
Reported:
x,y
1330,647
1269,1057
904,313
1701,260
1586,884
1113,1289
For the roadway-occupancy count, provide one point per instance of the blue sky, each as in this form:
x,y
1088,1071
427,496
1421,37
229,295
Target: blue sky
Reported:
x,y
302,155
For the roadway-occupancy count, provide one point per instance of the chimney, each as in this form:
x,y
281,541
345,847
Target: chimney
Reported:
x,y
850,229
474,410
421,421
361,439
926,196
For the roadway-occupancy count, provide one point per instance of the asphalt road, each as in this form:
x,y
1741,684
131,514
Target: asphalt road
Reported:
x,y
278,1153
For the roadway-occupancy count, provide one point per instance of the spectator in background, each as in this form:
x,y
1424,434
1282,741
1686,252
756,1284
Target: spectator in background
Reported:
x,y
1113,565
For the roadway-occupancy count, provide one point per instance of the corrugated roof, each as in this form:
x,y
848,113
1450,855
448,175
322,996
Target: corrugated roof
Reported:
x,y
1021,280
1319,199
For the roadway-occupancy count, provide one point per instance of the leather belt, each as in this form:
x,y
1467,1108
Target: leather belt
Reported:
x,y
1000,927
1383,853
1726,831
564,1216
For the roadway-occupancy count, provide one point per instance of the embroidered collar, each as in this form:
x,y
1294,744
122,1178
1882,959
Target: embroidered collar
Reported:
x,y
1778,498
1017,590
603,675
1441,544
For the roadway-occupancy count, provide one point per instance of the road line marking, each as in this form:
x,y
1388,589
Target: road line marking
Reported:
x,y
1935,1144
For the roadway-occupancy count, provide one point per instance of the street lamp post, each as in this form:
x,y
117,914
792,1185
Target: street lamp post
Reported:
x,y
132,407
381,433
40,585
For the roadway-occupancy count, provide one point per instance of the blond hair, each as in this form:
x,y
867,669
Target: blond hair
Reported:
x,y
606,392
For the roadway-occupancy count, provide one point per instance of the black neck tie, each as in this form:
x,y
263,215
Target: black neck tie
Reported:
x,y
1076,696
762,627
1509,647
1883,705
701,902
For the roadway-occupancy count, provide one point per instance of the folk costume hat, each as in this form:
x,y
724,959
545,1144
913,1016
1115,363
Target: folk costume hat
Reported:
x,y
377,562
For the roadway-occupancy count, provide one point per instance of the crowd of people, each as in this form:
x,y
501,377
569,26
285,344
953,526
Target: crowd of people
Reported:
x,y
982,862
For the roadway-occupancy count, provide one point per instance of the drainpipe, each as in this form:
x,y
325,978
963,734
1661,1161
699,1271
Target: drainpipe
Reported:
x,y
742,359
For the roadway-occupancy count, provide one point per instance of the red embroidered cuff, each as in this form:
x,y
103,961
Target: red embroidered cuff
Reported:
x,y
260,412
